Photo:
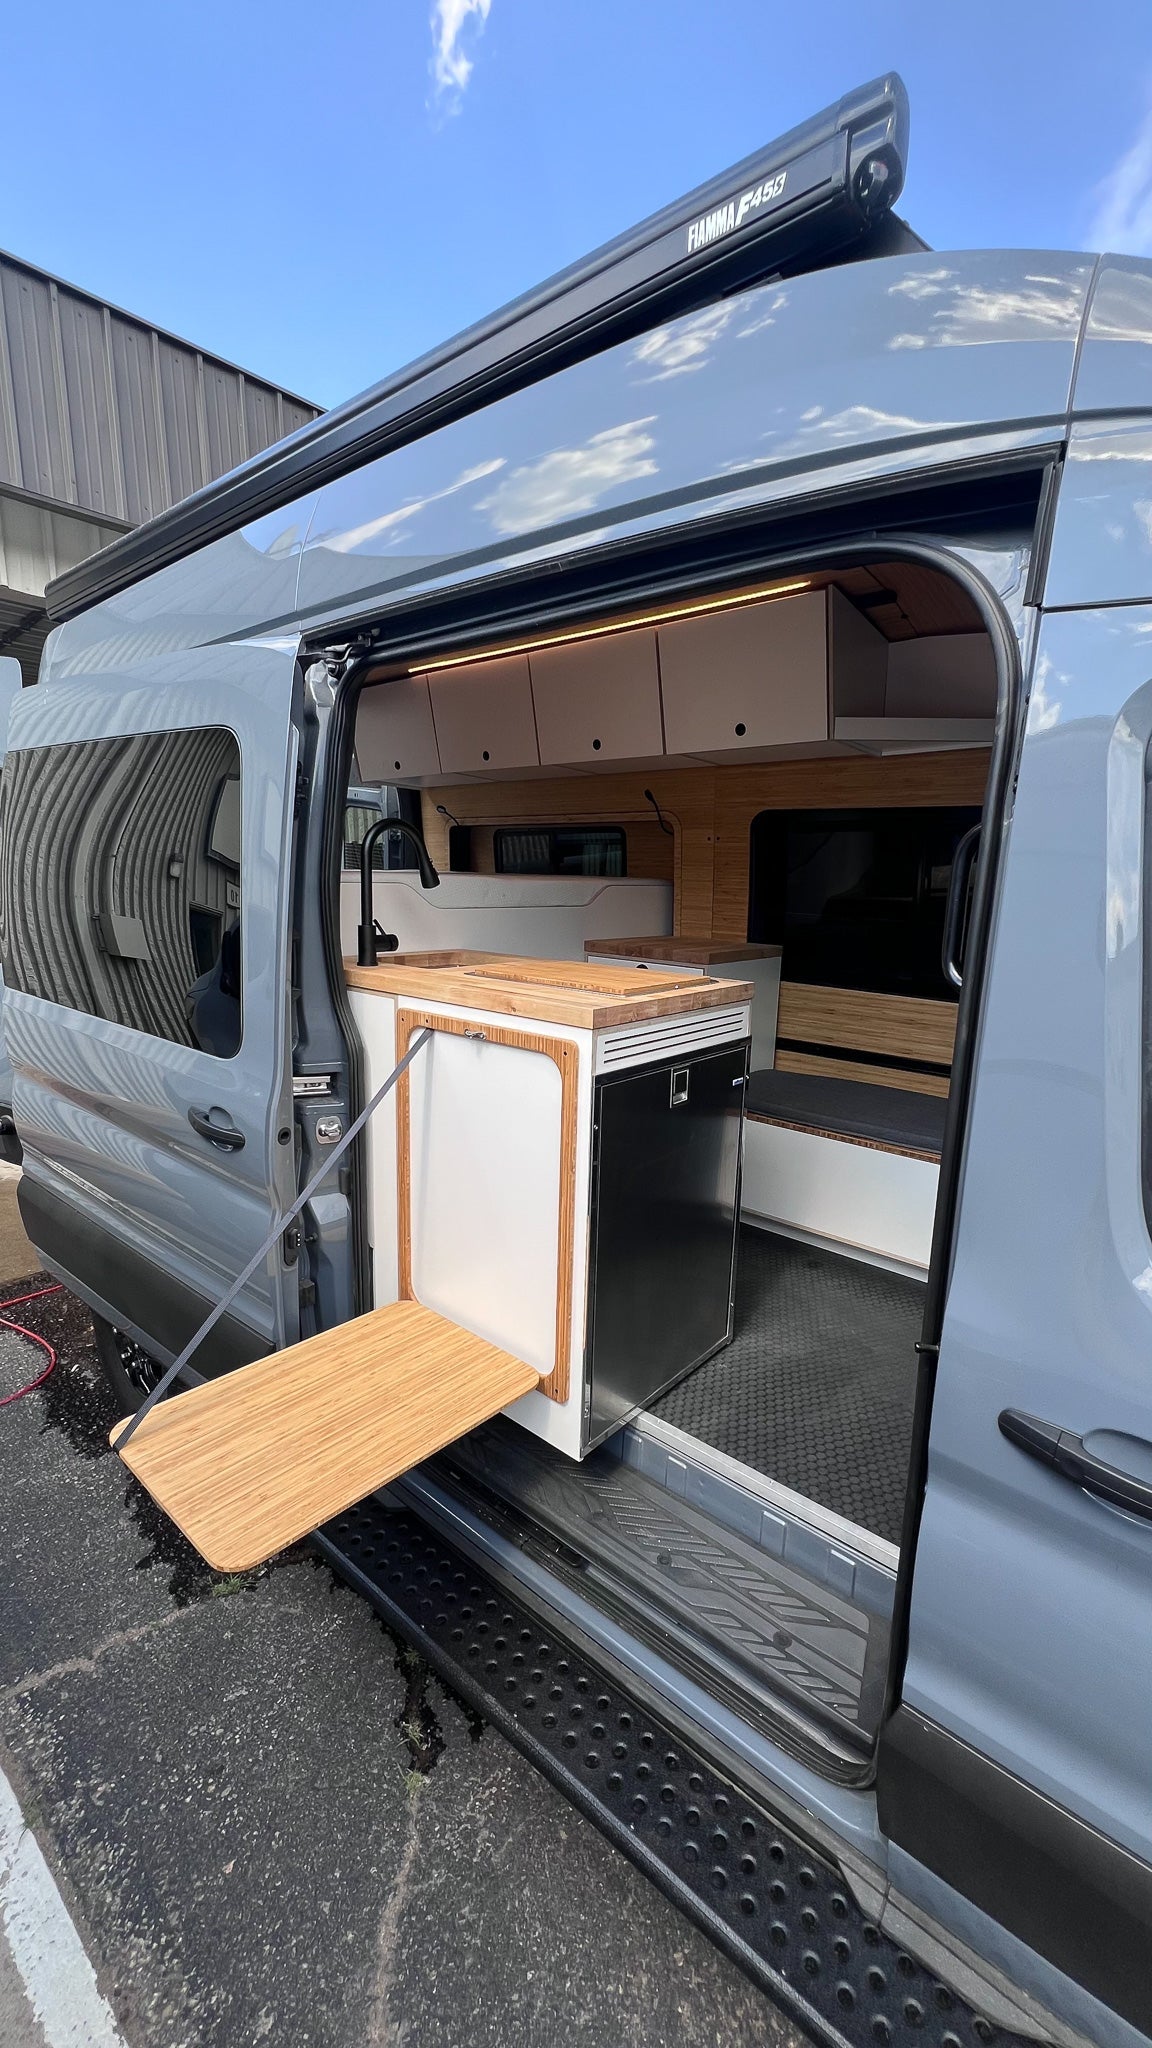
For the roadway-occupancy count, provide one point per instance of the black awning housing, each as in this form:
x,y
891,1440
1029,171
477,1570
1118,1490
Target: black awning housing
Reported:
x,y
821,194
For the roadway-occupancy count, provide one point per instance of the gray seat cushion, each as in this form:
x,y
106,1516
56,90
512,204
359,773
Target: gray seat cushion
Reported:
x,y
851,1109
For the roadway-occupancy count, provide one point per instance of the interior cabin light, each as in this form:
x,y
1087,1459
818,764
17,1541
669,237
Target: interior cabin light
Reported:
x,y
729,602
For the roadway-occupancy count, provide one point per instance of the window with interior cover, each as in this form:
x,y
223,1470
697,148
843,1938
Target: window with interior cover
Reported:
x,y
122,882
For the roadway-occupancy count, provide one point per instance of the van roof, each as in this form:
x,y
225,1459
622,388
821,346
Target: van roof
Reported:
x,y
821,194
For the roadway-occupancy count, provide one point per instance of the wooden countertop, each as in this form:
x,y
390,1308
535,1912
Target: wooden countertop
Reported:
x,y
591,996
686,952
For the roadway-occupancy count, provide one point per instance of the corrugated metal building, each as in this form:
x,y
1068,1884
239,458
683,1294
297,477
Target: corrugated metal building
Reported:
x,y
104,421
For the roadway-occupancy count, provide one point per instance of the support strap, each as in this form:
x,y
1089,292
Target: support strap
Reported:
x,y
178,1364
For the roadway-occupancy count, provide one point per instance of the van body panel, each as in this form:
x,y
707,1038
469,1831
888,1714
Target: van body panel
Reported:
x,y
1101,550
11,684
885,365
1046,1666
222,593
868,372
1114,370
104,1108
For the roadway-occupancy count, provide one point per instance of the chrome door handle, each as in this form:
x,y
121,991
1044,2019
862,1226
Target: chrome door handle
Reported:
x,y
1065,1452
225,1136
954,909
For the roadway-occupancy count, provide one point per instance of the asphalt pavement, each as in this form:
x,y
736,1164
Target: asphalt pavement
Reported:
x,y
251,1815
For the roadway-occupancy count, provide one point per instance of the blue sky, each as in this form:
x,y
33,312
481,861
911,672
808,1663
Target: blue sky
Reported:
x,y
321,192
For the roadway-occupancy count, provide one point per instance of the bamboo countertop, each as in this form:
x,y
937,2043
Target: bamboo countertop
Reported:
x,y
592,996
685,952
250,1462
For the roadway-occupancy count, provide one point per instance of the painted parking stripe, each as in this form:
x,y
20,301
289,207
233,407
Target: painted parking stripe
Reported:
x,y
47,1950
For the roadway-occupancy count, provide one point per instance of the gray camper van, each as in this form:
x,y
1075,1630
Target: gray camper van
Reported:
x,y
726,1346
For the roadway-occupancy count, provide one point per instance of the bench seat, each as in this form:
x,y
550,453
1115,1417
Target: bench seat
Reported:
x,y
897,1118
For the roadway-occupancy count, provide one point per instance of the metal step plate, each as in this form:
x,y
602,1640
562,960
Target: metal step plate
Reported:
x,y
780,1909
771,1626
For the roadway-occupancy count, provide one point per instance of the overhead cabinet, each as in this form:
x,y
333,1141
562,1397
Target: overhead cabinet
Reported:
x,y
483,716
598,700
395,736
768,676
753,682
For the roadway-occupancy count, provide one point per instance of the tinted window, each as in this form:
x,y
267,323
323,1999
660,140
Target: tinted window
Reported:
x,y
122,882
857,897
560,850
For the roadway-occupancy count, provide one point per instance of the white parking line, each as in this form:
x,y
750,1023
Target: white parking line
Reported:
x,y
64,1999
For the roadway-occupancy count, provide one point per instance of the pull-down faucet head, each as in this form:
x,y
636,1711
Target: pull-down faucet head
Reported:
x,y
368,935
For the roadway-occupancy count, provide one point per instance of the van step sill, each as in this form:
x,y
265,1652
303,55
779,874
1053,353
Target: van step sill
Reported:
x,y
708,1592
774,1904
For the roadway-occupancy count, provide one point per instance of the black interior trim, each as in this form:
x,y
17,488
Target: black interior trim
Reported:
x,y
101,1265
1056,1883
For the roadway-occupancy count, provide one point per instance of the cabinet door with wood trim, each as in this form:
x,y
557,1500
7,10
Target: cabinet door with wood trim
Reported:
x,y
751,678
598,700
483,715
395,736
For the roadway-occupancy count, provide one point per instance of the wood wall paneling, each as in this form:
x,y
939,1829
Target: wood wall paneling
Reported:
x,y
901,1027
711,810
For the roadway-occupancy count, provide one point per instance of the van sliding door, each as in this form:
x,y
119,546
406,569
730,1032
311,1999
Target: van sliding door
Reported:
x,y
148,823
1019,1764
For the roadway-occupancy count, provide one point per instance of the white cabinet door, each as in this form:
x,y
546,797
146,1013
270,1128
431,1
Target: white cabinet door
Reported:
x,y
483,716
746,679
395,736
598,700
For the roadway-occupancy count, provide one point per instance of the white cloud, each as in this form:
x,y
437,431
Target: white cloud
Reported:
x,y
571,480
451,66
670,351
1122,219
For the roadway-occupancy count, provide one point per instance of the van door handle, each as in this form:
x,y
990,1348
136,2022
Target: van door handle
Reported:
x,y
1065,1452
226,1136
956,905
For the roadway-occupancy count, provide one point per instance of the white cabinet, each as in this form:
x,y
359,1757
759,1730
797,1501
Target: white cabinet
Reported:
x,y
765,676
719,958
598,700
483,716
395,736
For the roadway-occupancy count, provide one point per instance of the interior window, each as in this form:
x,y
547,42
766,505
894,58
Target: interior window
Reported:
x,y
122,882
857,897
560,850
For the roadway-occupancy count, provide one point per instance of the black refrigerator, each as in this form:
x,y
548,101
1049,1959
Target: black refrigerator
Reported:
x,y
662,1250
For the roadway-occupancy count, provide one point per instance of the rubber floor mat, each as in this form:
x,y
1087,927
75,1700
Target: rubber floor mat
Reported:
x,y
818,1385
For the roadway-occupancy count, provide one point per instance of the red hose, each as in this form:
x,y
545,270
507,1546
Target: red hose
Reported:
x,y
15,1302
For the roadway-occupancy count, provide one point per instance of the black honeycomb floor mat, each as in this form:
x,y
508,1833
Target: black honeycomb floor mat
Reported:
x,y
818,1385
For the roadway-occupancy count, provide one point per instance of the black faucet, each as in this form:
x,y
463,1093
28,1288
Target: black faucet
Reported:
x,y
368,935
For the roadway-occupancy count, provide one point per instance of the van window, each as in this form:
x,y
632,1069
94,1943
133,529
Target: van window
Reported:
x,y
560,850
857,897
122,882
